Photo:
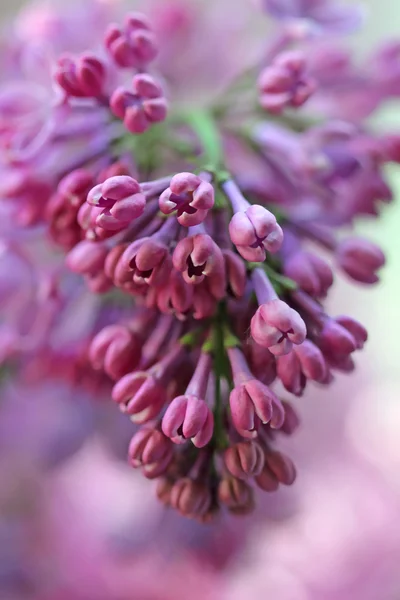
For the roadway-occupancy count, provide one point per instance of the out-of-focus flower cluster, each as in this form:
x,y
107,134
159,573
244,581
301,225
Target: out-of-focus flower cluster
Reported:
x,y
175,256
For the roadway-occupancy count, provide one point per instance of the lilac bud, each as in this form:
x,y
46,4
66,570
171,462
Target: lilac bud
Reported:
x,y
305,362
244,460
190,196
281,466
261,361
236,495
250,399
190,498
150,449
235,270
140,395
266,480
277,327
335,339
310,272
146,261
87,258
81,77
357,330
204,303
285,83
188,416
142,106
173,297
197,257
360,259
120,199
255,232
116,350
292,421
134,44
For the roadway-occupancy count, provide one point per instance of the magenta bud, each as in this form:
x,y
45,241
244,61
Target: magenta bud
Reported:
x,y
191,198
310,272
358,331
360,259
86,258
140,395
244,460
174,297
116,350
204,304
142,106
75,186
132,45
281,466
335,339
236,495
254,232
292,421
235,269
261,361
82,77
188,417
150,449
277,327
146,261
266,480
120,201
190,498
197,257
285,83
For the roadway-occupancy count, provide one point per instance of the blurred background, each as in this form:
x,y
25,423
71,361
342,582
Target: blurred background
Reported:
x,y
90,529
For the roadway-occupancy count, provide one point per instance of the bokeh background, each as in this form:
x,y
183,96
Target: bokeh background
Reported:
x,y
91,530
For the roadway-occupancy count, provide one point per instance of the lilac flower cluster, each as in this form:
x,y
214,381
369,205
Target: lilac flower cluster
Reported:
x,y
207,240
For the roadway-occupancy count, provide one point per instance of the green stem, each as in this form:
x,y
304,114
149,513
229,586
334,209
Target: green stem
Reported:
x,y
206,129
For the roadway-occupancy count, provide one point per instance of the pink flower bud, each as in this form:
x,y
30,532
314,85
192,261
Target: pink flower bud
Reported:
x,y
81,77
120,201
188,417
310,272
266,480
236,274
147,261
141,395
335,339
190,196
358,331
360,259
244,460
132,45
87,258
204,304
174,297
255,232
236,495
116,350
197,257
285,83
292,421
277,327
305,362
281,466
250,399
261,361
142,106
190,498
150,449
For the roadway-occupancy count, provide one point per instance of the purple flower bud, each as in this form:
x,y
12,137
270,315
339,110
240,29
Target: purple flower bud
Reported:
x,y
360,259
142,106
254,232
285,83
310,272
120,199
275,325
134,44
190,196
250,399
142,394
266,480
188,416
236,495
198,257
116,350
81,77
305,362
335,339
235,270
150,449
281,466
87,258
190,498
244,460
204,303
174,297
292,421
147,261
357,330
261,361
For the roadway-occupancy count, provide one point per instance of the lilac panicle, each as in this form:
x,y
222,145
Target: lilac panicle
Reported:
x,y
198,240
